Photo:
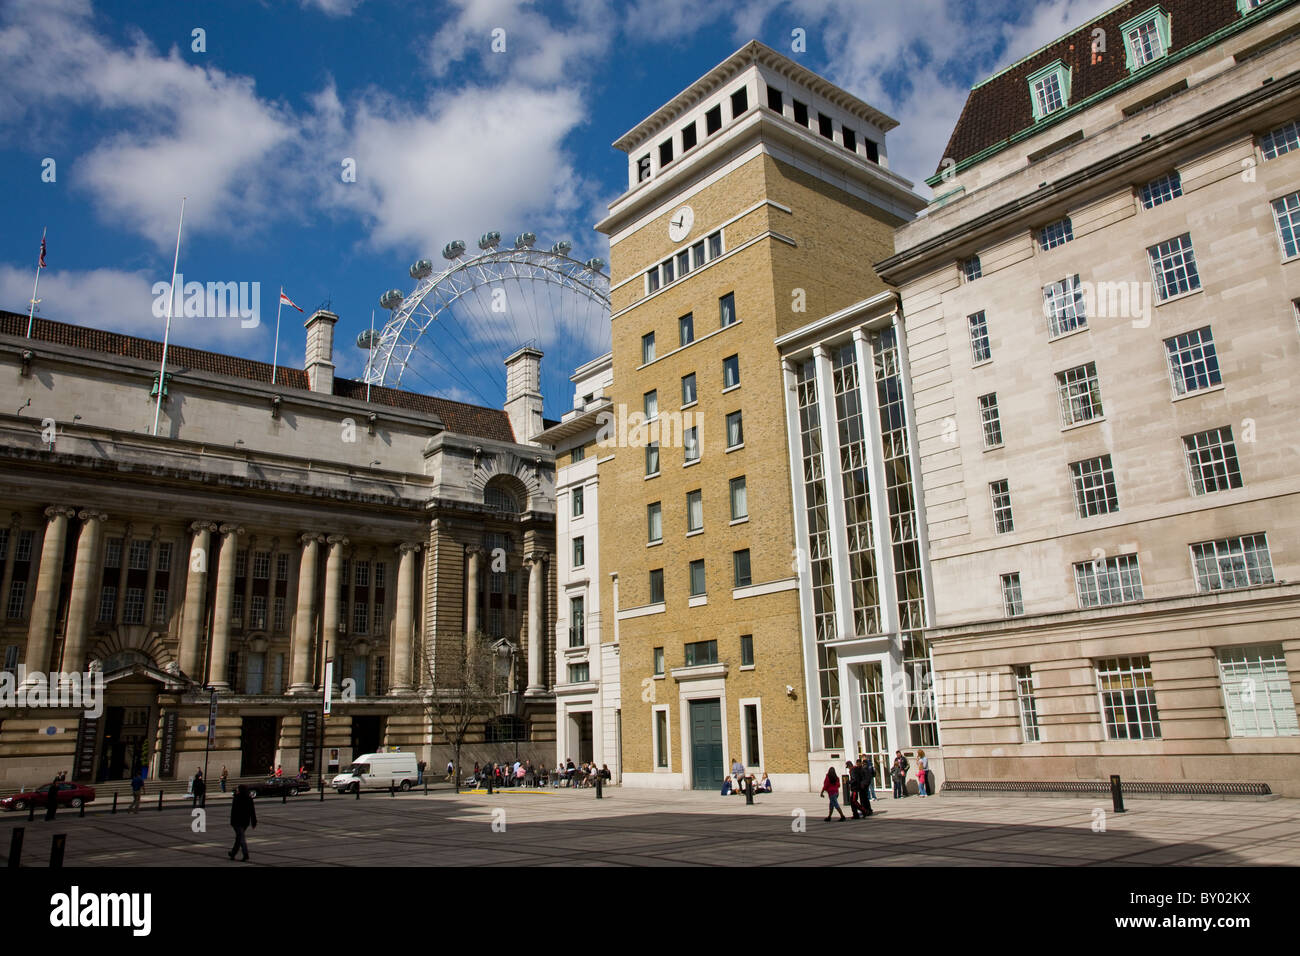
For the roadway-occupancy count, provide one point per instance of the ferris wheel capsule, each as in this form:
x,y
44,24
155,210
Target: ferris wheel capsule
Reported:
x,y
391,299
368,339
489,240
595,265
562,247
454,249
525,240
421,268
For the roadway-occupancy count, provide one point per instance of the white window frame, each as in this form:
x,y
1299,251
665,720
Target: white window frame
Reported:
x,y
1065,307
1122,576
757,704
1173,268
1133,667
1280,141
1205,452
981,349
1243,677
694,501
1287,206
1084,485
1161,190
1055,234
1040,99
1195,356
1000,498
667,747
1079,395
1229,557
1013,596
1031,731
991,420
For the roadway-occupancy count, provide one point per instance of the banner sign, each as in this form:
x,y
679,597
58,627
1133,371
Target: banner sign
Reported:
x,y
329,684
167,758
308,749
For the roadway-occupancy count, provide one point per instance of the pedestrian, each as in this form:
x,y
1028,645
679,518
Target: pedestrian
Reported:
x,y
225,775
451,770
905,766
419,772
831,789
922,767
871,779
52,799
242,815
279,771
200,790
861,793
137,791
737,774
896,774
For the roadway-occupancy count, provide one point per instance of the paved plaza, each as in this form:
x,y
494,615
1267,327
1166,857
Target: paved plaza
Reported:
x,y
652,828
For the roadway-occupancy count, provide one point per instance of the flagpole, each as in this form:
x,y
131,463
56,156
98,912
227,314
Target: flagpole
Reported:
x,y
275,356
370,352
171,301
31,314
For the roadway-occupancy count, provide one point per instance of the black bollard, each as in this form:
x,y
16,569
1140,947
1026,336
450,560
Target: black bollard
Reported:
x,y
82,811
1116,793
600,787
16,846
56,850
321,785
114,810
31,811
160,799
356,788
392,791
749,791
284,797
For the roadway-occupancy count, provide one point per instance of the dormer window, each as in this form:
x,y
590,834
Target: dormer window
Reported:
x,y
1049,89
1146,38
1246,6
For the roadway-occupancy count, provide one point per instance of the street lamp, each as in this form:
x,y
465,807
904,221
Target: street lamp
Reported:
x,y
507,651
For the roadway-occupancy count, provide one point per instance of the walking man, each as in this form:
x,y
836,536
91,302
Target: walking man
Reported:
x,y
137,791
451,770
52,799
242,815
860,778
200,790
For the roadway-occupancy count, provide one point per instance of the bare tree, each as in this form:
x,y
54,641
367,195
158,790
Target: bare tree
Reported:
x,y
460,698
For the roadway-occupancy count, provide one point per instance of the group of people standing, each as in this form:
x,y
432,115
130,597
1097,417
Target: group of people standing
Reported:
x,y
859,783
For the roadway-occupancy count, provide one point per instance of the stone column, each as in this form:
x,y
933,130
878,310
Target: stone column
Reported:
x,y
45,602
85,580
151,578
333,580
471,585
305,617
217,664
404,620
6,582
119,607
196,584
536,562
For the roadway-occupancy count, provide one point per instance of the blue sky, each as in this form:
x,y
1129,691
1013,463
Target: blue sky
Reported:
x,y
450,139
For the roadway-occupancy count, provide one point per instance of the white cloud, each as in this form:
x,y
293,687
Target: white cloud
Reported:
x,y
122,301
332,8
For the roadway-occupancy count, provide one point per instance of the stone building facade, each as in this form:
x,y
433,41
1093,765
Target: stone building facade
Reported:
x,y
1101,310
264,529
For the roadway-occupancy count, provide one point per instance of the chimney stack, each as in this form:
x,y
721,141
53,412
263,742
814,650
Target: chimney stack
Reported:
x,y
524,393
319,361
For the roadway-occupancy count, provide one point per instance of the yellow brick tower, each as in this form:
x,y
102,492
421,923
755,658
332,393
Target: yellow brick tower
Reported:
x,y
757,200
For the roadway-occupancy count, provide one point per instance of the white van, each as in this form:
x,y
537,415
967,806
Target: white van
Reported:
x,y
378,772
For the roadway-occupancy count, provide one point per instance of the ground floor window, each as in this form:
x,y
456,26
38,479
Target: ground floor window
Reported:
x,y
1028,705
1128,698
1257,692
749,720
661,738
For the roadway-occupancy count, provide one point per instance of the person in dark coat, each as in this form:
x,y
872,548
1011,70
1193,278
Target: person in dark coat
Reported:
x,y
242,815
862,799
200,789
52,799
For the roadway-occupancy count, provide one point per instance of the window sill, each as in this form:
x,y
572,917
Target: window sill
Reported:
x,y
1199,391
655,475
660,676
982,363
1083,424
1182,295
998,447
746,667
690,404
730,388
744,520
654,544
731,448
1066,335
693,461
691,534
698,600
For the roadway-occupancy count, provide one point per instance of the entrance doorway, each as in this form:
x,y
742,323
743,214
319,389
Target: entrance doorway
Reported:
x,y
257,746
707,765
874,736
126,742
367,732
580,734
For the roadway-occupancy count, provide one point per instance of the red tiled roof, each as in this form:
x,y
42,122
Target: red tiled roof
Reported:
x,y
458,417
1001,107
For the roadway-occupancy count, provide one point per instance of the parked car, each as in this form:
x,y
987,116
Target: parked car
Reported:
x,y
276,786
378,772
69,795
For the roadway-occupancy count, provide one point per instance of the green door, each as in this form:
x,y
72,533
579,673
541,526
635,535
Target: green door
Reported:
x,y
707,765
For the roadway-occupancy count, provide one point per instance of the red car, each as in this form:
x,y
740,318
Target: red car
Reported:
x,y
69,795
